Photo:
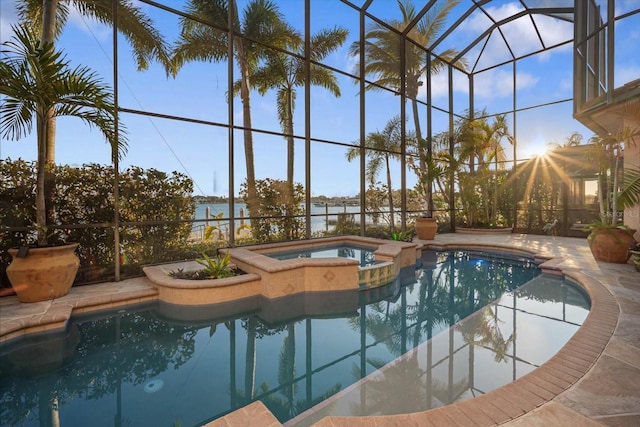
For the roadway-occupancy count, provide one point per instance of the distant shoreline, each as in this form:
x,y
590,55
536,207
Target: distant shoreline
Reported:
x,y
320,201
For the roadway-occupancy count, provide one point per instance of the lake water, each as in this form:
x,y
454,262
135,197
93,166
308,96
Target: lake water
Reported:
x,y
318,223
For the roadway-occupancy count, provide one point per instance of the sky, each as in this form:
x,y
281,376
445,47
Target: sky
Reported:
x,y
199,92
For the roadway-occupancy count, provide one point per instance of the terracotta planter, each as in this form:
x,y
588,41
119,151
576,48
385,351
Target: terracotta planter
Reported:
x,y
635,259
44,273
611,244
426,228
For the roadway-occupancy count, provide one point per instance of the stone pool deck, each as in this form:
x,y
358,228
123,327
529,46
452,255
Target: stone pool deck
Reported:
x,y
594,380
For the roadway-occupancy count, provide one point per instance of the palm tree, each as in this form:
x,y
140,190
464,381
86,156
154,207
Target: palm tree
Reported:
x,y
573,140
262,25
433,168
284,72
618,187
36,80
490,137
383,146
383,46
48,17
480,144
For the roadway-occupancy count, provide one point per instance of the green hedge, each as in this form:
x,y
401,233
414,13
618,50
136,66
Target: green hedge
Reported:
x,y
149,199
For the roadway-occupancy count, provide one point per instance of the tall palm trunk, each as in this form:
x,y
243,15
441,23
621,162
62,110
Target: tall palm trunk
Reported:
x,y
289,131
427,185
41,210
49,10
416,123
48,179
494,205
245,86
390,193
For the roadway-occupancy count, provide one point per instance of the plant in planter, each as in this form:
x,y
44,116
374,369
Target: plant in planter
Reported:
x,y
37,84
402,236
426,224
635,255
618,188
217,267
426,227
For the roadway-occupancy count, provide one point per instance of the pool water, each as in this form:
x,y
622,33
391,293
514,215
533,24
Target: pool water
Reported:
x,y
468,324
362,254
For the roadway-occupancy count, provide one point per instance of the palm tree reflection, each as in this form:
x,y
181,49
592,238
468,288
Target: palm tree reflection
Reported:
x,y
483,330
412,381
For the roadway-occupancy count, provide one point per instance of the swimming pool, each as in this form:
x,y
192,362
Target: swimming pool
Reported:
x,y
144,366
364,255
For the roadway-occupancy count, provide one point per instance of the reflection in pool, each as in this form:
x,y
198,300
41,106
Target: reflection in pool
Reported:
x,y
467,324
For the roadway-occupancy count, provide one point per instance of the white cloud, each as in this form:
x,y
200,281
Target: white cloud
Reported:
x,y
521,33
525,80
554,31
626,74
479,21
439,86
499,83
566,86
487,85
88,25
9,16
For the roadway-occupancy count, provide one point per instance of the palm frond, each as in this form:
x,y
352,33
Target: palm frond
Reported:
x,y
629,195
37,79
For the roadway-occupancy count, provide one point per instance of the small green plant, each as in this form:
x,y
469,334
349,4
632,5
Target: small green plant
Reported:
x,y
217,267
635,255
209,230
402,236
598,226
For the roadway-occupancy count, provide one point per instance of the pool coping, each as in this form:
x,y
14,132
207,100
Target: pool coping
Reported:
x,y
530,395
530,391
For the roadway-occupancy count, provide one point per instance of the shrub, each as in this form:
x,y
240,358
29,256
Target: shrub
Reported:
x,y
278,214
154,211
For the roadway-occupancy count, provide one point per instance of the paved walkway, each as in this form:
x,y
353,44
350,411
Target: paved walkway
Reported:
x,y
594,380
609,392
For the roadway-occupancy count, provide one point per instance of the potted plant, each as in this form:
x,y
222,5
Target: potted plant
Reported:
x,y
618,188
37,84
426,226
635,255
216,267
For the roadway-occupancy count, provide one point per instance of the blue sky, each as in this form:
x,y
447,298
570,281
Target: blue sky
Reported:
x,y
199,91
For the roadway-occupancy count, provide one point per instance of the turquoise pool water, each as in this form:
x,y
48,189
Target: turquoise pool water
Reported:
x,y
362,254
464,324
